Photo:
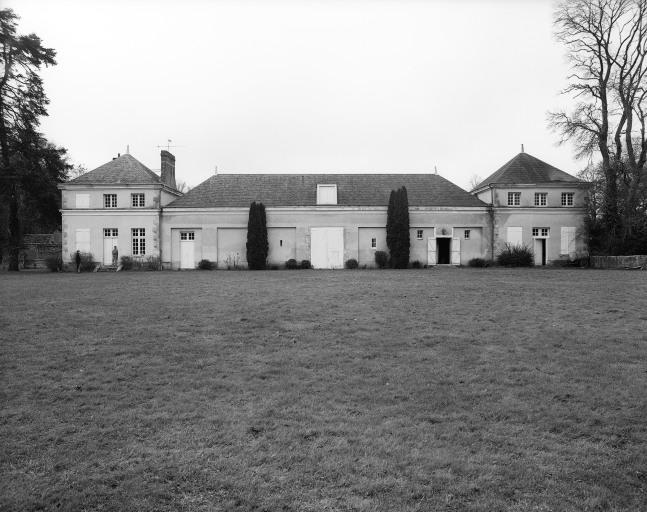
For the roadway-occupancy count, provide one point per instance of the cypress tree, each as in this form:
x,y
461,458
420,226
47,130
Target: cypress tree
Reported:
x,y
397,228
390,236
257,244
402,232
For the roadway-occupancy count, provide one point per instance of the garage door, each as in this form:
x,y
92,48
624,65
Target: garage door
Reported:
x,y
232,247
327,247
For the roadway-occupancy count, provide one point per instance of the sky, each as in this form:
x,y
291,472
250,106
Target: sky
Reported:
x,y
303,86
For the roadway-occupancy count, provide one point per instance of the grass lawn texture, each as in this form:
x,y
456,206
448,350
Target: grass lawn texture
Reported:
x,y
416,390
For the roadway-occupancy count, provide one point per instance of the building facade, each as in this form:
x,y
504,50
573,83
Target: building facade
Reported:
x,y
325,218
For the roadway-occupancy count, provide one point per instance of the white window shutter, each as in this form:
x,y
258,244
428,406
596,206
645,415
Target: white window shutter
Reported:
x,y
82,201
456,251
568,241
82,240
515,236
431,251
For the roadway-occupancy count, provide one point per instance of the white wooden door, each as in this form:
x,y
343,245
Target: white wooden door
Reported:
x,y
109,243
456,251
431,251
187,249
327,247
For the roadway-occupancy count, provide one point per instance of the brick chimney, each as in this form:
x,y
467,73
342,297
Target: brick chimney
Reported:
x,y
168,169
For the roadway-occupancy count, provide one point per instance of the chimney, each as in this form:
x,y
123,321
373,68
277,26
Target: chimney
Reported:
x,y
168,169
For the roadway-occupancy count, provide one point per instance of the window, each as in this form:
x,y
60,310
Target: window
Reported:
x,y
373,243
137,200
540,198
110,200
187,235
419,234
326,194
540,232
139,241
514,198
83,200
110,232
280,243
466,234
567,198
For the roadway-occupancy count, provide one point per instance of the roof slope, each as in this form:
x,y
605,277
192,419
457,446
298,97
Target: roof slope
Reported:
x,y
125,169
527,169
301,190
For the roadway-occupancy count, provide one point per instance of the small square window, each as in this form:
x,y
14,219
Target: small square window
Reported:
x,y
567,198
110,200
540,232
541,198
373,243
419,234
137,200
110,232
187,235
466,234
514,198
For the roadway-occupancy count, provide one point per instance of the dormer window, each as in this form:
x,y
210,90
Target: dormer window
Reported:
x,y
326,194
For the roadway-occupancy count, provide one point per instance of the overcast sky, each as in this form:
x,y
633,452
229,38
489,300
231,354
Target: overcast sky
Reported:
x,y
303,85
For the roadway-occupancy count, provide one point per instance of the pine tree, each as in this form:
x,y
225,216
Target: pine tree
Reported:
x,y
257,243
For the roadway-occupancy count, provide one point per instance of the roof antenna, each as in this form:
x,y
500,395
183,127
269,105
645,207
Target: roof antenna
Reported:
x,y
128,149
522,149
435,170
168,146
215,170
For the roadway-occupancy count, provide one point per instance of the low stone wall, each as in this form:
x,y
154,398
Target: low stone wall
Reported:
x,y
639,260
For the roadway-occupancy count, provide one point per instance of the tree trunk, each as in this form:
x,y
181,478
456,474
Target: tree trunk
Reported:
x,y
14,229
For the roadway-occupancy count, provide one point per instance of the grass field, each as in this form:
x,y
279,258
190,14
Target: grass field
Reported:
x,y
443,389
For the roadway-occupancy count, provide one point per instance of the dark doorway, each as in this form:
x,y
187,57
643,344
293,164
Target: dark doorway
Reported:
x,y
543,250
442,246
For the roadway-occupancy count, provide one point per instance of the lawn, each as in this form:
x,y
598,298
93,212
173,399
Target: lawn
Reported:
x,y
443,389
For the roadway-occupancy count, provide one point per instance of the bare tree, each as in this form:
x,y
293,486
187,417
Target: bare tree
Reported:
x,y
182,186
76,171
607,44
475,181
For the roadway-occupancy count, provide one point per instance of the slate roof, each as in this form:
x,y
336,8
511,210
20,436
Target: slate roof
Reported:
x,y
301,190
526,169
124,170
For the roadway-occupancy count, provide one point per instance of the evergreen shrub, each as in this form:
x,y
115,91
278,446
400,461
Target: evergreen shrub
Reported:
x,y
306,265
416,264
381,259
351,263
205,264
291,264
479,262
